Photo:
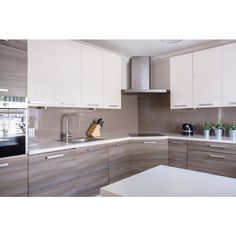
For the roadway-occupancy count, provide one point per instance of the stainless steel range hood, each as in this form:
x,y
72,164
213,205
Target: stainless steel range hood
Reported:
x,y
141,76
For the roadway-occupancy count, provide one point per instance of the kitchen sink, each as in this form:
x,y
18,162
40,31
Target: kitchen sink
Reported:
x,y
82,140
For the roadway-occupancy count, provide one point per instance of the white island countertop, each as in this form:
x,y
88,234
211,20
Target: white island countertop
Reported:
x,y
166,181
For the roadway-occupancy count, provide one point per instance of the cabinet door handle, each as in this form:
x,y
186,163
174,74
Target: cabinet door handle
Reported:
x,y
232,103
205,104
90,149
4,165
93,105
216,146
180,105
149,142
37,102
4,90
67,104
216,156
55,156
176,142
113,105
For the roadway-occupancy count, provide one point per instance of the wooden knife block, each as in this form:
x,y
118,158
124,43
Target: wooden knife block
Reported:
x,y
94,131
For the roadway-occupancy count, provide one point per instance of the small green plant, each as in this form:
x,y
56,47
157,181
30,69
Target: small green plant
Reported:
x,y
231,127
218,125
207,126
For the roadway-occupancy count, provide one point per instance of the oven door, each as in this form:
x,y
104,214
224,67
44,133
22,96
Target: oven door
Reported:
x,y
12,132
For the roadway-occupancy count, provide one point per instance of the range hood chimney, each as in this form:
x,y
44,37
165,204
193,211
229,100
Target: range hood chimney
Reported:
x,y
141,76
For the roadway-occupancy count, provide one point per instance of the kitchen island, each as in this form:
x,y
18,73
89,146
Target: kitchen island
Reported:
x,y
166,181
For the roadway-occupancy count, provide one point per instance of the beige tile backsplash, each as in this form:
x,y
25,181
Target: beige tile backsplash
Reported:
x,y
150,113
155,115
47,122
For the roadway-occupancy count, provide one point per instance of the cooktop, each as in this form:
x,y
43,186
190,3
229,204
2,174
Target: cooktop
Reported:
x,y
145,134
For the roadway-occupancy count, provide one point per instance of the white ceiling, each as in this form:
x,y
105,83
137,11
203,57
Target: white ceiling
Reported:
x,y
151,48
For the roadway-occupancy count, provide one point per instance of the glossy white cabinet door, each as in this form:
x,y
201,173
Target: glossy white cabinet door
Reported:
x,y
54,73
112,80
229,75
92,77
181,90
207,78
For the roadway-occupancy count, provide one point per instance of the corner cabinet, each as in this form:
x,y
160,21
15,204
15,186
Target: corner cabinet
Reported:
x,y
207,78
181,81
146,154
54,73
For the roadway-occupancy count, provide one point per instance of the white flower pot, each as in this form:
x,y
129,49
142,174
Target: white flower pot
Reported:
x,y
207,134
232,134
218,134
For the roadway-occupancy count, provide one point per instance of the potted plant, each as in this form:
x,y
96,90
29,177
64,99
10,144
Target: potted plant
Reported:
x,y
206,126
232,131
218,127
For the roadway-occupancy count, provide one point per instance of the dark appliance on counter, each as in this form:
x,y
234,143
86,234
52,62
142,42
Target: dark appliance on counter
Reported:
x,y
12,126
188,129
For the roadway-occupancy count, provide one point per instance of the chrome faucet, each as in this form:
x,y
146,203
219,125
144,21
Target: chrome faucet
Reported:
x,y
66,135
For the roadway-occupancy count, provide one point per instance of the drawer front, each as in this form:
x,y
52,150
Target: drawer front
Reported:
x,y
14,176
91,170
119,161
148,154
212,162
212,147
175,145
53,174
177,154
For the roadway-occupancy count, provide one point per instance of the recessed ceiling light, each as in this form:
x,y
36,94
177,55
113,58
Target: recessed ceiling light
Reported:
x,y
171,40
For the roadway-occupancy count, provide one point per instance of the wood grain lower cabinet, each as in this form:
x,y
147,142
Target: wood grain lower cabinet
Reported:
x,y
212,162
177,153
53,174
146,154
14,176
91,170
119,161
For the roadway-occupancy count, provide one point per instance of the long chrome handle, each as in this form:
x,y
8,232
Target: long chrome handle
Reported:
x,y
232,103
149,142
93,105
4,90
205,104
113,105
67,104
4,165
180,105
216,146
37,102
55,156
216,156
176,142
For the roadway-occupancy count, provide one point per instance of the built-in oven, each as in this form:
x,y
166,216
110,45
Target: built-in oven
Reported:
x,y
13,123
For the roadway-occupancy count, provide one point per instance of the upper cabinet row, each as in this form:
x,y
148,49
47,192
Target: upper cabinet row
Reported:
x,y
66,73
205,78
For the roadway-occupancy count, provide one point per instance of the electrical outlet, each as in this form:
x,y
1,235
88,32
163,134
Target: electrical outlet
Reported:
x,y
31,132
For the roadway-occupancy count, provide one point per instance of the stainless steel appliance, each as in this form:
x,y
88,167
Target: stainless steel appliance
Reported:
x,y
145,134
188,129
13,125
141,76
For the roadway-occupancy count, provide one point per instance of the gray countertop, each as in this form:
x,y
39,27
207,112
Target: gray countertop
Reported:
x,y
106,139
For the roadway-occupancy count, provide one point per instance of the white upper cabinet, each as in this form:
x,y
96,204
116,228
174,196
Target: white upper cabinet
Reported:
x,y
207,78
181,81
92,77
112,80
54,73
229,75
